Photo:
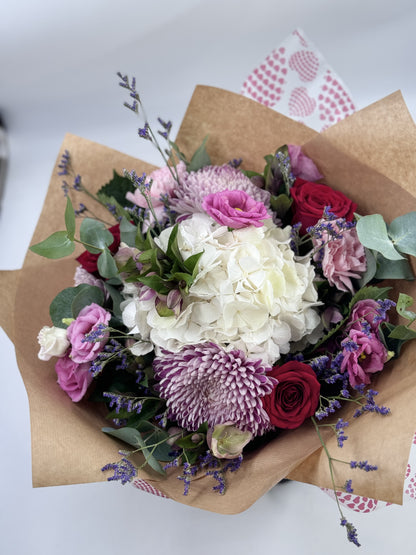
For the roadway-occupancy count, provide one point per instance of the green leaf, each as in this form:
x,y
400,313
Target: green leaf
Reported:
x,y
106,265
95,235
119,209
154,282
403,333
116,297
134,438
403,302
372,233
393,269
402,231
281,204
117,188
191,263
128,232
371,269
61,306
86,296
200,158
70,219
55,246
178,153
369,292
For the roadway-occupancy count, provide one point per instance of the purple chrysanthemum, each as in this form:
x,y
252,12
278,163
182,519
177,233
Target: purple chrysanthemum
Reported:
x,y
195,186
204,383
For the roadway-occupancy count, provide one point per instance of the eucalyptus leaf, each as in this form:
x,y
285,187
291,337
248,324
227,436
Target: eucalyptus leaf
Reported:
x,y
371,269
95,235
393,269
70,219
106,265
372,233
61,306
86,296
200,159
55,246
402,231
128,232
116,297
133,437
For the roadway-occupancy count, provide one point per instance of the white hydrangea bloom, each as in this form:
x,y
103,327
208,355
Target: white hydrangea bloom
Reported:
x,y
251,292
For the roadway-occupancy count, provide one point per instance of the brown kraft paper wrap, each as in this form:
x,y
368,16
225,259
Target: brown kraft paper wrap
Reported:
x,y
370,156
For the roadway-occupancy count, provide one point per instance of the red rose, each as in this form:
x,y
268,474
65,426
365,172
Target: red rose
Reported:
x,y
295,398
310,199
88,260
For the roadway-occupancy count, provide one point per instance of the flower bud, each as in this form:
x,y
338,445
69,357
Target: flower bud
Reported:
x,y
226,441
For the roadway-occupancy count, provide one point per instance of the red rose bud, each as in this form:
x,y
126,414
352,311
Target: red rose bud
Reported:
x,y
310,200
295,398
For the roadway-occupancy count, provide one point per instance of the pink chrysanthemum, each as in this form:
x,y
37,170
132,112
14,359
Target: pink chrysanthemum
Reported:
x,y
195,186
204,383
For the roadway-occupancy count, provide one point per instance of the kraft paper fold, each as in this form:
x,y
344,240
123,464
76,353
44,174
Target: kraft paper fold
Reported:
x,y
373,163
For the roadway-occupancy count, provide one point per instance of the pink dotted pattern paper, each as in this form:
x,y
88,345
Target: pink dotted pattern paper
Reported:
x,y
296,80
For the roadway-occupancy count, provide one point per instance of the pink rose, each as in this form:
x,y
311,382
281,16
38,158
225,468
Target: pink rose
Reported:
x,y
235,209
163,184
363,354
73,378
342,258
90,319
302,166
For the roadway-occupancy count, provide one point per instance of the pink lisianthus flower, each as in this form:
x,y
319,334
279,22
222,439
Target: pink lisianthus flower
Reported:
x,y
363,355
367,311
302,166
73,378
342,258
235,209
91,321
163,184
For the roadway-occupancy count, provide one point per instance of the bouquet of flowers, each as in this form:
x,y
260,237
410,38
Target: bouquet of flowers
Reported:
x,y
228,314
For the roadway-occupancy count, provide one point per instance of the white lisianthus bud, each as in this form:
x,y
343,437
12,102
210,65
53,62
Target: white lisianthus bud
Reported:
x,y
53,342
226,441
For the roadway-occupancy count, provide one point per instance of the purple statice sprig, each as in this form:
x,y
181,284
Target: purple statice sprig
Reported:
x,y
124,471
144,186
113,351
125,402
351,530
146,132
367,403
213,467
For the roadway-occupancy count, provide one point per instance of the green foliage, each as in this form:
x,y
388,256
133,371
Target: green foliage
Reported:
x,y
128,232
69,302
116,189
200,159
372,233
392,269
57,245
402,232
95,236
86,296
403,303
281,204
392,242
277,174
70,219
133,437
106,265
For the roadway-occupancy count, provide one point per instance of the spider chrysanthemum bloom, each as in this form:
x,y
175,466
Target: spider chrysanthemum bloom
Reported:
x,y
203,383
195,186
